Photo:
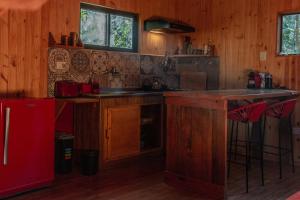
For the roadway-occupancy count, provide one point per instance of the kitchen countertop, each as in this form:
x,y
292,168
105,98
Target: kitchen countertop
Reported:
x,y
124,94
233,94
90,98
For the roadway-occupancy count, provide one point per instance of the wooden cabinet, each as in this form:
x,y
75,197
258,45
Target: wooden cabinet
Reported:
x,y
196,145
121,128
122,133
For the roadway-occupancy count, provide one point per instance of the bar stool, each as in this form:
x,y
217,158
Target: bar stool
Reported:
x,y
246,114
282,110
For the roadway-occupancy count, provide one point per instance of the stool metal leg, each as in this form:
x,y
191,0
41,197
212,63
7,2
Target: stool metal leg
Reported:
x,y
279,154
250,133
262,138
236,140
247,157
292,143
230,148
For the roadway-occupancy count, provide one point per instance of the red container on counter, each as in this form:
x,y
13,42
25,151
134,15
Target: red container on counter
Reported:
x,y
258,80
67,89
85,88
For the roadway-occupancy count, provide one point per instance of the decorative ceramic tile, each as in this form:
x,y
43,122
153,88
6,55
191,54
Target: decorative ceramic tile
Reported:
x,y
147,64
80,63
80,78
158,68
131,64
102,80
99,61
115,60
172,81
116,81
132,81
52,78
59,60
134,69
146,80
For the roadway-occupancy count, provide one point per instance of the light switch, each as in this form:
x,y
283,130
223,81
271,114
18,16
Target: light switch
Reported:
x,y
263,56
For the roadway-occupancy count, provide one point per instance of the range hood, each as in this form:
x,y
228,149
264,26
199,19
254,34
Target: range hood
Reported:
x,y
164,25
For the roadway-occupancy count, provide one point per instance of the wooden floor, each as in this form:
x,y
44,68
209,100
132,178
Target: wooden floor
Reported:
x,y
144,181
274,189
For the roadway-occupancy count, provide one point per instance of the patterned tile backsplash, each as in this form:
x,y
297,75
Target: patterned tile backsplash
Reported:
x,y
132,69
80,64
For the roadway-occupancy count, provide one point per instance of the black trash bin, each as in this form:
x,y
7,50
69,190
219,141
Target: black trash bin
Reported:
x,y
63,153
89,162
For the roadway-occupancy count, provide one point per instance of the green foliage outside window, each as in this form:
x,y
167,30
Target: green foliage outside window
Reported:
x,y
121,32
108,29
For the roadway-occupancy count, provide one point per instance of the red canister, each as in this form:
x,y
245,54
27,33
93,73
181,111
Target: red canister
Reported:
x,y
85,88
257,79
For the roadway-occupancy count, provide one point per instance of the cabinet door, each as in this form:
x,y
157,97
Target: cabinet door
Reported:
x,y
189,148
123,132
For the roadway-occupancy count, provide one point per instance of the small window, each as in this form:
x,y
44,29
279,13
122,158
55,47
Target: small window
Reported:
x,y
103,28
289,32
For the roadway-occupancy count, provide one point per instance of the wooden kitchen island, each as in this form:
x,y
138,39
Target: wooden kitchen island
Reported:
x,y
197,137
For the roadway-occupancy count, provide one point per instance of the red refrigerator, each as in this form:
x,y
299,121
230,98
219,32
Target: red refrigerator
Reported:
x,y
26,144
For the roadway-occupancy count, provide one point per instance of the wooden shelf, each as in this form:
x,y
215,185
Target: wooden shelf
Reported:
x,y
189,56
65,46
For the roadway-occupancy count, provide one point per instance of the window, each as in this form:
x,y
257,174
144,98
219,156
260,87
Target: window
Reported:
x,y
103,28
289,32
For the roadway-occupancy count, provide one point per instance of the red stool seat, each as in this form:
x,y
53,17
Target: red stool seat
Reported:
x,y
294,196
281,109
248,113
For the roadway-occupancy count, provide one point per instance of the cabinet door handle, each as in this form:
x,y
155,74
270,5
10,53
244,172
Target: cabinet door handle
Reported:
x,y
6,136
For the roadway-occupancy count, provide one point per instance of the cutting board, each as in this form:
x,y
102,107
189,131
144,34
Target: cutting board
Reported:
x,y
193,80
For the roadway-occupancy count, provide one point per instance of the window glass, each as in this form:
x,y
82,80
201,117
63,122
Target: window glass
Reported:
x,y
104,28
121,31
93,27
290,34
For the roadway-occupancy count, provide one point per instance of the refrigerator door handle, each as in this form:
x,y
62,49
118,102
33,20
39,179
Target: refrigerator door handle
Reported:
x,y
6,137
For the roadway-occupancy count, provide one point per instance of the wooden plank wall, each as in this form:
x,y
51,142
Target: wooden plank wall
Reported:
x,y
64,17
24,34
22,54
239,28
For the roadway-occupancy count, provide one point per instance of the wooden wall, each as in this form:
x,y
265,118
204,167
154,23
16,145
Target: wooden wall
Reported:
x,y
24,35
23,53
239,28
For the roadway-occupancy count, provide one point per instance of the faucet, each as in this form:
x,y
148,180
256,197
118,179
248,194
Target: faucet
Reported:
x,y
167,63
